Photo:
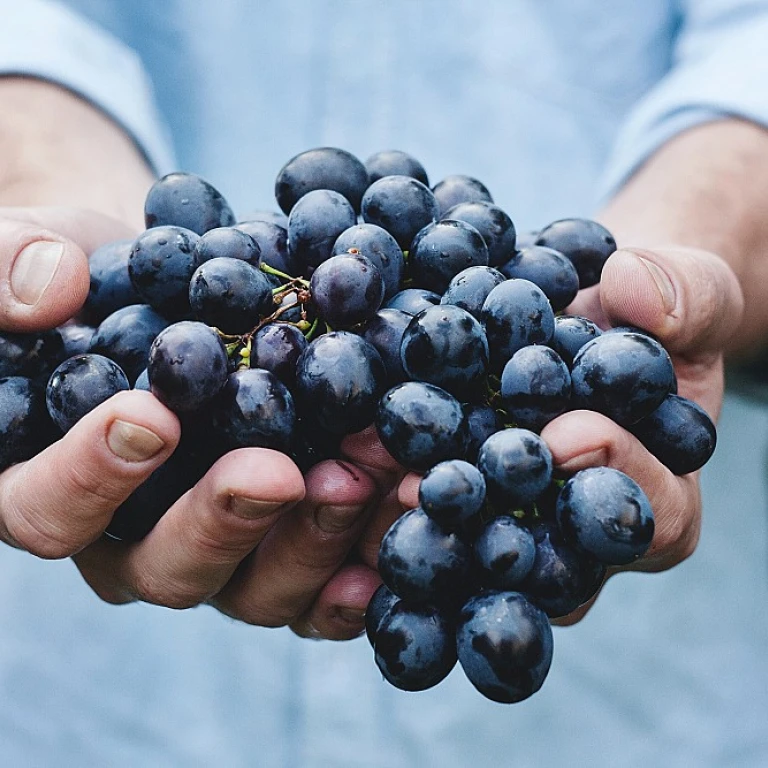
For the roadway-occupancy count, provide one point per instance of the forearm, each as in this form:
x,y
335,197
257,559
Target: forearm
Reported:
x,y
57,149
707,188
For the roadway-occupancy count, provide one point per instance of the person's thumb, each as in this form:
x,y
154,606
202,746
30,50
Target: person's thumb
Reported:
x,y
689,299
44,275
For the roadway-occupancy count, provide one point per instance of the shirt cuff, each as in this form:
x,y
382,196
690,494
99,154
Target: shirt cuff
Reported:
x,y
42,39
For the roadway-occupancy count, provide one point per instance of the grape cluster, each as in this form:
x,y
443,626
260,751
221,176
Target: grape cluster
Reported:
x,y
375,299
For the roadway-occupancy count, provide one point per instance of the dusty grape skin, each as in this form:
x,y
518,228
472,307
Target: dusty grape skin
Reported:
x,y
547,268
420,561
401,205
110,285
413,300
230,243
414,646
493,223
623,375
25,426
535,387
277,347
31,355
321,168
679,433
272,239
571,334
263,215
452,492
126,337
380,247
79,384
315,222
482,422
378,606
186,200
161,264
446,346
517,465
515,314
606,514
187,366
385,331
76,338
505,551
504,645
441,250
339,380
586,243
421,425
346,290
393,162
254,409
459,188
470,288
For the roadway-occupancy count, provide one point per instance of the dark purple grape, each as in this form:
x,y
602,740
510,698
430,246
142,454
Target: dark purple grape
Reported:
x,y
263,215
526,239
571,334
161,264
228,243
322,168
504,550
562,578
470,288
346,290
421,424
187,366
586,243
313,444
441,250
482,422
79,384
272,240
378,606
446,346
517,465
186,200
126,336
679,433
380,247
413,300
515,314
505,645
414,646
548,269
277,347
401,205
385,331
393,162
458,188
230,294
76,338
25,426
492,223
339,380
315,222
625,376
535,387
254,409
421,562
606,514
111,287
31,355
452,493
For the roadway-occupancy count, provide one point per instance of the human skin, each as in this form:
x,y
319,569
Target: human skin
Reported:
x,y
270,547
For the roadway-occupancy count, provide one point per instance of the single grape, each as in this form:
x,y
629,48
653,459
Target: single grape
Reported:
x,y
504,550
378,606
393,162
413,300
25,426
452,493
110,287
493,223
76,337
482,422
385,332
547,268
229,243
31,355
277,347
470,288
571,334
458,188
272,239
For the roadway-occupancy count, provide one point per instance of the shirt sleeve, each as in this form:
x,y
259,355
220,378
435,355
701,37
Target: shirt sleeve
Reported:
x,y
720,70
44,39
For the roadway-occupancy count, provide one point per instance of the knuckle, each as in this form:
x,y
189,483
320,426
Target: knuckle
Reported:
x,y
39,538
150,589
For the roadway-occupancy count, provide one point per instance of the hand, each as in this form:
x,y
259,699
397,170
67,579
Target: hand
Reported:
x,y
253,537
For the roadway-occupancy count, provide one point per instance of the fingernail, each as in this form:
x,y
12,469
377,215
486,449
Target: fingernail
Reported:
x,y
336,519
663,283
252,509
597,458
351,615
34,269
131,442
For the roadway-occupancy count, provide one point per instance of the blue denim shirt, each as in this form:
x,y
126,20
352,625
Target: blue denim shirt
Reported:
x,y
552,103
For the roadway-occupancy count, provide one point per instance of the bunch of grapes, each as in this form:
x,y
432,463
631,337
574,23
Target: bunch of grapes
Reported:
x,y
375,299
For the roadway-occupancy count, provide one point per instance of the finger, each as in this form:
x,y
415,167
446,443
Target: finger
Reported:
x,y
303,550
61,500
408,492
196,546
387,511
582,439
366,451
689,299
338,612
